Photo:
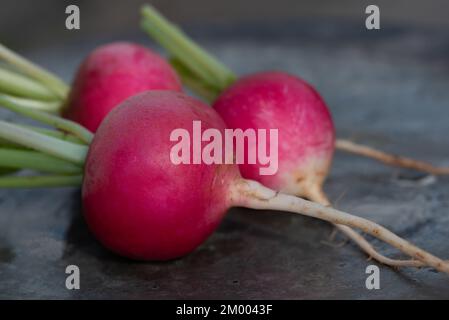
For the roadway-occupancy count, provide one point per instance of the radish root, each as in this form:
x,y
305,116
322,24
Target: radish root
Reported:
x,y
317,195
252,194
389,159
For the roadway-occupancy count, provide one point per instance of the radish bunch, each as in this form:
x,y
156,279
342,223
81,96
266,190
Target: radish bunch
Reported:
x,y
141,205
137,202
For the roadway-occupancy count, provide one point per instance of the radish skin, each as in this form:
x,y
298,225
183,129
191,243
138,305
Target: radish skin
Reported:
x,y
112,73
275,100
136,201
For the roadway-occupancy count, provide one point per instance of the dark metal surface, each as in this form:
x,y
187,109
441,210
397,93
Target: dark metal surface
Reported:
x,y
387,88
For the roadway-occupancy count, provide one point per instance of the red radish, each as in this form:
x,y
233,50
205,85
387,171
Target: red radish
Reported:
x,y
112,73
136,201
276,100
141,205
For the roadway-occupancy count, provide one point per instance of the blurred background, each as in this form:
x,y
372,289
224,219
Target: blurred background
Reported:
x,y
28,22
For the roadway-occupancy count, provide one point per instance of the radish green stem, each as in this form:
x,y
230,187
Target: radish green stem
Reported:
x,y
252,194
40,181
40,142
5,171
54,133
52,120
16,84
51,81
186,50
170,47
49,132
49,106
192,82
8,144
25,159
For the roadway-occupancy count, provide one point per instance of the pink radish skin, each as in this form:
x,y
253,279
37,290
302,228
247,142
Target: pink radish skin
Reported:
x,y
140,205
136,201
276,100
112,73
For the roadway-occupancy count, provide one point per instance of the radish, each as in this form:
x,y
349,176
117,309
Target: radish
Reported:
x,y
306,132
209,78
269,100
108,75
112,73
142,206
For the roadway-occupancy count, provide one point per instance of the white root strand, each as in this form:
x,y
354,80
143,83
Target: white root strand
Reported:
x,y
317,195
252,194
389,159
